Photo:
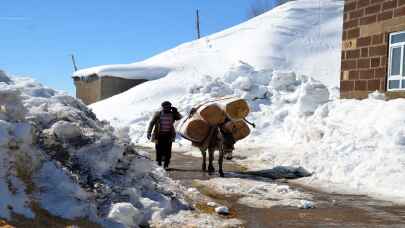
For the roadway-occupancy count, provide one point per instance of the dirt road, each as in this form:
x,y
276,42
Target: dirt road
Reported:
x,y
332,210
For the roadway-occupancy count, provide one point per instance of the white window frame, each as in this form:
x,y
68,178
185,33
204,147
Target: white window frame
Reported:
x,y
401,76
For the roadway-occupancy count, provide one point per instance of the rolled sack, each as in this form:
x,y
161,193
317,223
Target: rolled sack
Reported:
x,y
238,128
194,129
212,113
235,108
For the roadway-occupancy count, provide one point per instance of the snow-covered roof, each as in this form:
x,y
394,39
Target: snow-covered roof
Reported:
x,y
128,71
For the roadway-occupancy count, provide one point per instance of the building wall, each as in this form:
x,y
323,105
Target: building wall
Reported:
x,y
93,88
111,86
366,28
88,89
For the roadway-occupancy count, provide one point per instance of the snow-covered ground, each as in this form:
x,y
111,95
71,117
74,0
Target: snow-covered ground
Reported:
x,y
55,154
349,145
257,193
202,220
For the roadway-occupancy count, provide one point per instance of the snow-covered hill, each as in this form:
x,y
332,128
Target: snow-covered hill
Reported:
x,y
303,36
349,146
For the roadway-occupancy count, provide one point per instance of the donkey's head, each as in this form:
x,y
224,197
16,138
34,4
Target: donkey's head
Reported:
x,y
227,144
228,150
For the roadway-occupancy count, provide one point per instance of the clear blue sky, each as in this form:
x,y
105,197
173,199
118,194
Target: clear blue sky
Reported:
x,y
37,36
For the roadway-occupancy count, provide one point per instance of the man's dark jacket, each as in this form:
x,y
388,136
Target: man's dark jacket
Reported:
x,y
155,124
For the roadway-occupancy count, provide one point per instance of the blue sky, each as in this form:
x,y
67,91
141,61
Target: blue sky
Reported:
x,y
38,36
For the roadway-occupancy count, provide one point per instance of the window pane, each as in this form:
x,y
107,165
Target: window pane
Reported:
x,y
403,84
396,61
398,38
393,84
403,63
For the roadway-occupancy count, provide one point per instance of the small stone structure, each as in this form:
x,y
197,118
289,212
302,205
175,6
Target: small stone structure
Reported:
x,y
368,28
93,88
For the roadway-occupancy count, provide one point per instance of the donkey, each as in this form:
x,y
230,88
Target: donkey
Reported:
x,y
219,140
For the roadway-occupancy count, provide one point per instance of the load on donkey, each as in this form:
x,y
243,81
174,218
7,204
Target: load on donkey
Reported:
x,y
216,125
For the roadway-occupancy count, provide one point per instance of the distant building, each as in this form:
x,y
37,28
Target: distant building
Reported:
x,y
373,55
93,88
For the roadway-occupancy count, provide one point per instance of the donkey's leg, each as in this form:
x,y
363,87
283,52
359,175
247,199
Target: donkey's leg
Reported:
x,y
204,157
221,161
211,168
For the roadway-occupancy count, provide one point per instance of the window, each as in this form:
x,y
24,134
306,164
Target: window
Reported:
x,y
396,71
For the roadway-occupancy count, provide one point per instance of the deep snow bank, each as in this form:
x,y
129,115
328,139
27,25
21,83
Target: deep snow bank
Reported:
x,y
350,146
55,154
303,36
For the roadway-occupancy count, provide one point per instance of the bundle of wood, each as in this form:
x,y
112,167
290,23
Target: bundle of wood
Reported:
x,y
229,112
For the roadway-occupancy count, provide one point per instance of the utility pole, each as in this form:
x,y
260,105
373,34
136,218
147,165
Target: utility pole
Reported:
x,y
74,62
198,24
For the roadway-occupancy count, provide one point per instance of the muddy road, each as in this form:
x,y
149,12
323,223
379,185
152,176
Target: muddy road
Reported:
x,y
331,210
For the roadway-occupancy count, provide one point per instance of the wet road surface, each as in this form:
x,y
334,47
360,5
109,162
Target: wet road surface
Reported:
x,y
332,210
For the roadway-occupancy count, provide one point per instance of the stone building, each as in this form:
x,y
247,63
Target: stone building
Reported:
x,y
93,88
373,55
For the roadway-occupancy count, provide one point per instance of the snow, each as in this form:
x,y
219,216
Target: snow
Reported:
x,y
222,210
56,155
130,71
302,36
212,204
66,130
59,194
4,78
286,64
305,204
200,220
126,214
256,192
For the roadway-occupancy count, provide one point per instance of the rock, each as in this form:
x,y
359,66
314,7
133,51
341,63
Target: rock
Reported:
x,y
222,210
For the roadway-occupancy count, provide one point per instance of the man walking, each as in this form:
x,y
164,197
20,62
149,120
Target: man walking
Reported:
x,y
163,132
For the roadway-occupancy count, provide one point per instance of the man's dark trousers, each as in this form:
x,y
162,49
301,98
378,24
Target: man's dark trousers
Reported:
x,y
164,149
